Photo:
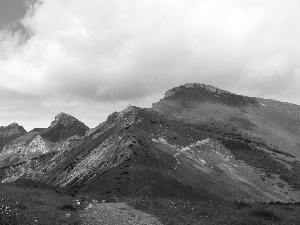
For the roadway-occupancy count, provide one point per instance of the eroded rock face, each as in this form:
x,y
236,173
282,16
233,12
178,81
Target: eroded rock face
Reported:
x,y
37,145
109,154
21,150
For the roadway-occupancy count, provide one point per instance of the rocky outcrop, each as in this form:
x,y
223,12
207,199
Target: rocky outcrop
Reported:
x,y
37,145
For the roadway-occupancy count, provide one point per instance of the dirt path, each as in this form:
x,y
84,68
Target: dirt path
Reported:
x,y
115,214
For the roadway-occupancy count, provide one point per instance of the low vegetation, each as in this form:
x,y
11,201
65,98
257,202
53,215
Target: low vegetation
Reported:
x,y
178,211
39,204
35,205
254,156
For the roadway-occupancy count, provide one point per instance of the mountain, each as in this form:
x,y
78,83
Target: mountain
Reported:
x,y
40,142
198,142
9,133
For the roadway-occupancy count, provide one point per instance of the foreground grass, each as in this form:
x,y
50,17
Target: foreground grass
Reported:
x,y
178,211
35,205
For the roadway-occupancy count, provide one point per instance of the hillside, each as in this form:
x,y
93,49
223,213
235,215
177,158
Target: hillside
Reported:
x,y
262,133
198,142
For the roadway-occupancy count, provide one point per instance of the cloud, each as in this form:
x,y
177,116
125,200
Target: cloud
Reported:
x,y
102,55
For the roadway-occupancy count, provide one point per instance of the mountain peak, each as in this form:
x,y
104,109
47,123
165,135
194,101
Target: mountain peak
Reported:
x,y
64,119
14,124
13,128
64,126
190,93
195,86
9,133
62,114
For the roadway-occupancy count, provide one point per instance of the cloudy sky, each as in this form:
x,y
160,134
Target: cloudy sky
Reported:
x,y
90,58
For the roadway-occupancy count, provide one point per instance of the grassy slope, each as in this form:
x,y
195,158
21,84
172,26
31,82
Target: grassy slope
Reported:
x,y
30,202
149,169
184,211
262,133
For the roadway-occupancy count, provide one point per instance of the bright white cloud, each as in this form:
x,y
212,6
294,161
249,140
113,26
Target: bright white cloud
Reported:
x,y
102,55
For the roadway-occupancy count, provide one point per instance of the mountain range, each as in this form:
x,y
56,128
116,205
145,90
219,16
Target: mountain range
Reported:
x,y
198,142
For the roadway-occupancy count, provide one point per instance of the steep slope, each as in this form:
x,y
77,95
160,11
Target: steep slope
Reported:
x,y
9,133
198,142
119,157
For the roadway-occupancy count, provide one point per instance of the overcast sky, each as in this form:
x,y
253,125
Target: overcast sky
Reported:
x,y
90,58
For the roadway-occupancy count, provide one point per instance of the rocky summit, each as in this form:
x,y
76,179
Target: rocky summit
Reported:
x,y
198,142
64,126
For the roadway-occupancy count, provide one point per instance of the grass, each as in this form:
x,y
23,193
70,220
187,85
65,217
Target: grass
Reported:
x,y
253,155
35,205
265,214
181,211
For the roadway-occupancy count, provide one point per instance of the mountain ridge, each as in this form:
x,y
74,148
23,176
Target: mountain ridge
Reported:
x,y
198,142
